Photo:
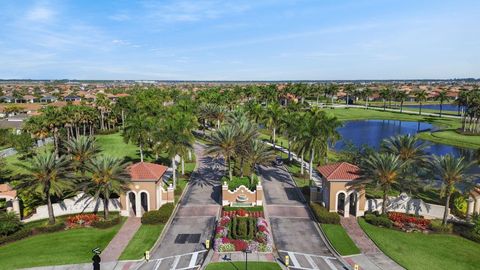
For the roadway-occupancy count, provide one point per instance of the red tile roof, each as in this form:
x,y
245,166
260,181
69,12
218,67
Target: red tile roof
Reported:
x,y
146,171
7,190
339,171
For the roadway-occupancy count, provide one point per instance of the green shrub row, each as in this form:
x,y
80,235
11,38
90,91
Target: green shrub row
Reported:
x,y
323,215
436,226
23,233
250,208
242,228
50,228
239,181
381,220
158,216
104,224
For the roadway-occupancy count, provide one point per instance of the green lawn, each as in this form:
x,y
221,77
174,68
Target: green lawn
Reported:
x,y
143,240
340,239
65,247
452,137
241,266
114,145
425,251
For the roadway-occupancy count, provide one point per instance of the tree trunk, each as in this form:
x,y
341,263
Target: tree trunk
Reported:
x,y
141,153
218,123
401,106
189,155
301,164
51,215
312,155
420,111
174,169
105,209
183,166
384,202
441,105
123,119
289,152
446,211
274,137
230,174
384,104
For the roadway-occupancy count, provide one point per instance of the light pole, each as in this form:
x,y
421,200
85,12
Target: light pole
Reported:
x,y
246,258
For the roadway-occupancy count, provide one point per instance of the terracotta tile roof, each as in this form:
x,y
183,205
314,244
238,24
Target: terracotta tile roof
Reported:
x,y
146,171
339,171
6,190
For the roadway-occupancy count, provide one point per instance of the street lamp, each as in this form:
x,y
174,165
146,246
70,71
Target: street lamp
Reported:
x,y
246,258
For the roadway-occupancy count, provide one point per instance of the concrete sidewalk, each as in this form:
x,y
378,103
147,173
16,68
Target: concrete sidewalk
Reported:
x,y
116,246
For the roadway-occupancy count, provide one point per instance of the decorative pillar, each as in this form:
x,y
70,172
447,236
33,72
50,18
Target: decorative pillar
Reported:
x,y
346,208
477,206
259,193
170,194
138,205
225,200
470,208
16,206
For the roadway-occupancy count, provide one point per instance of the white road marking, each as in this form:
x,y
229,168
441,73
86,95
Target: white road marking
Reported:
x,y
293,259
175,262
157,264
193,259
309,257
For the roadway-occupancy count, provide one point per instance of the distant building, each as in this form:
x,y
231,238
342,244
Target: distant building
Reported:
x,y
72,98
48,99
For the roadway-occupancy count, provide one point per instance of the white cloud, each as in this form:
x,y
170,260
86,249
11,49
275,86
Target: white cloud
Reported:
x,y
40,14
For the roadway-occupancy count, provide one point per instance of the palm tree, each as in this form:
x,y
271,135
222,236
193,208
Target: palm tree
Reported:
x,y
442,97
401,96
224,142
384,170
273,116
108,176
452,172
349,89
47,176
420,97
259,154
82,150
385,94
138,130
366,93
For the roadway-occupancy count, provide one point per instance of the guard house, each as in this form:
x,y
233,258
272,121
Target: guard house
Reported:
x,y
474,201
147,190
8,194
338,192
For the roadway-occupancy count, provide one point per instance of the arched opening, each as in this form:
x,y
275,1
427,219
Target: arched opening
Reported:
x,y
341,203
144,201
353,204
132,203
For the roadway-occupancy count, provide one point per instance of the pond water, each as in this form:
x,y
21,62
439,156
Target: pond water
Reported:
x,y
372,132
436,107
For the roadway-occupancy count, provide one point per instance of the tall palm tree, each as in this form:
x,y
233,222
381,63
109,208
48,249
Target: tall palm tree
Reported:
x,y
451,171
272,117
259,154
442,97
385,94
366,93
384,170
138,130
420,97
401,96
349,89
82,150
47,176
108,176
223,142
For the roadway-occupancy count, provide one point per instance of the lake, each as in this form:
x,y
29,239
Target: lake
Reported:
x,y
372,132
436,107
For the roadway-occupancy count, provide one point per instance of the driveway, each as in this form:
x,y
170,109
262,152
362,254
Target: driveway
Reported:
x,y
294,231
194,221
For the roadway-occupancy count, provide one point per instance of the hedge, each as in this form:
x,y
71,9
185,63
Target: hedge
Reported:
x,y
158,216
50,228
104,224
381,220
323,215
23,233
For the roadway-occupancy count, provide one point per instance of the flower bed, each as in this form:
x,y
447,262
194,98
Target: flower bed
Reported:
x,y
407,222
242,213
241,233
82,220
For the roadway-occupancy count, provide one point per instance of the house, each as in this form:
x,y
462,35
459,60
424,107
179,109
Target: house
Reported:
x,y
48,99
147,190
72,98
29,99
8,194
7,99
339,191
14,122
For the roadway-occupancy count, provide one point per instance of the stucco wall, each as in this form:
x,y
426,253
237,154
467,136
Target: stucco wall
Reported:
x,y
405,204
253,197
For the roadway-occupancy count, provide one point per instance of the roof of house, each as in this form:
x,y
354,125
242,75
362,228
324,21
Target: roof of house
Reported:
x,y
339,171
146,171
7,190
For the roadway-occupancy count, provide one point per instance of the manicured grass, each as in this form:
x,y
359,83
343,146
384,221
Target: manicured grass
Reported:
x,y
65,247
425,251
114,145
241,266
340,239
453,138
143,240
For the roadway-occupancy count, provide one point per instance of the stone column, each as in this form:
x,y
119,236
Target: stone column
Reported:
x,y
138,204
477,206
259,193
170,194
346,208
225,200
471,204
16,206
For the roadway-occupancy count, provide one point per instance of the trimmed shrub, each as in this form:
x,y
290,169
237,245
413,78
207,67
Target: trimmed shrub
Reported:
x,y
381,221
9,223
436,226
323,216
23,233
50,228
158,216
104,224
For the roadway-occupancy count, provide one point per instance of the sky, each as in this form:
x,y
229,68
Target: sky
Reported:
x,y
239,40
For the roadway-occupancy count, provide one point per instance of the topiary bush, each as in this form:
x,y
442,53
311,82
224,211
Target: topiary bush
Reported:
x,y
158,216
381,221
323,215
